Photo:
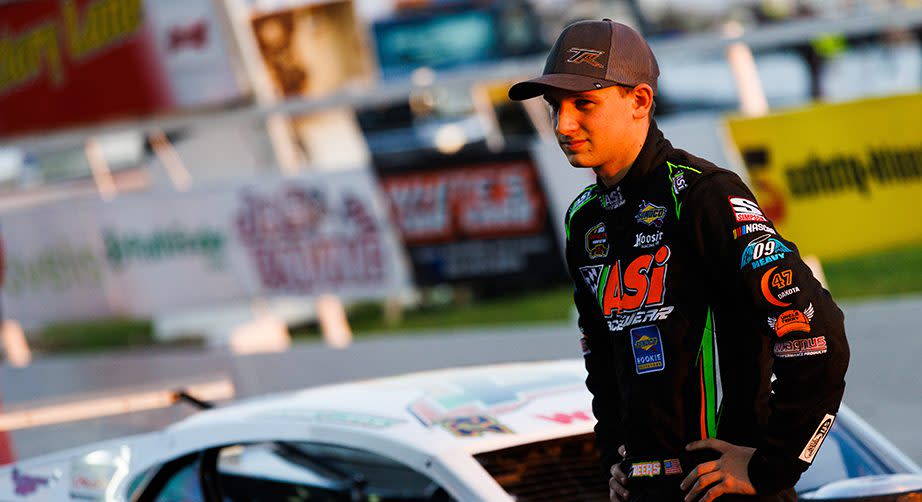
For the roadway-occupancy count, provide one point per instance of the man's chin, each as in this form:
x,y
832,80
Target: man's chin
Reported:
x,y
575,161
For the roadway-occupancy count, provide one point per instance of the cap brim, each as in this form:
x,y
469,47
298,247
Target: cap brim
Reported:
x,y
568,82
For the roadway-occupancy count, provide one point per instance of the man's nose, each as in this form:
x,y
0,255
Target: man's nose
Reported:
x,y
564,122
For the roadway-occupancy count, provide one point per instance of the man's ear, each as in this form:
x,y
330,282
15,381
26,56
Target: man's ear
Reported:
x,y
643,100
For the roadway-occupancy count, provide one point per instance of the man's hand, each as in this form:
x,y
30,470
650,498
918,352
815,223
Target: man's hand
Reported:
x,y
616,485
727,474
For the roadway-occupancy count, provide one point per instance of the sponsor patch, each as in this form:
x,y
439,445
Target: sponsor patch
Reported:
x,y
678,182
746,210
645,469
672,466
621,321
752,228
792,320
763,250
642,240
651,214
584,344
777,286
647,345
800,348
597,242
474,425
613,200
813,445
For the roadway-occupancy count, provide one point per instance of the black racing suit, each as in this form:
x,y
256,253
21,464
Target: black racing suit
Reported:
x,y
689,302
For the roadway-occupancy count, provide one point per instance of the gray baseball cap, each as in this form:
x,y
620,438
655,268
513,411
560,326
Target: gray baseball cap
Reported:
x,y
592,55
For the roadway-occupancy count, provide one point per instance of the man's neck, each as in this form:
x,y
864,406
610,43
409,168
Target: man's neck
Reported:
x,y
609,178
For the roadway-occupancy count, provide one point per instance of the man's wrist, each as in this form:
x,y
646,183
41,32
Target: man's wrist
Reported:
x,y
772,473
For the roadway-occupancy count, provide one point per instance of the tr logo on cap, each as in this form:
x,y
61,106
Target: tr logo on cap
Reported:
x,y
585,56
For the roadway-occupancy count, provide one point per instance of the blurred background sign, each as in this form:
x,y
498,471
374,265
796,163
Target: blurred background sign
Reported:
x,y
76,62
155,253
479,220
838,179
453,35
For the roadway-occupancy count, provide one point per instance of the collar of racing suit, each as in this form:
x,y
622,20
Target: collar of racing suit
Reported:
x,y
653,154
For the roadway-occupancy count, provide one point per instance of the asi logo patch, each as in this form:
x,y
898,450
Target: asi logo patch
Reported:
x,y
678,182
746,210
763,250
597,242
792,320
613,199
777,286
651,214
647,345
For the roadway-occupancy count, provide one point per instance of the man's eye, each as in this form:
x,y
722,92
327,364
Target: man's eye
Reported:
x,y
583,103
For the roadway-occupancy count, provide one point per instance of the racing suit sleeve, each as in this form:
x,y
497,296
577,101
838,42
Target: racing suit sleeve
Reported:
x,y
596,346
809,351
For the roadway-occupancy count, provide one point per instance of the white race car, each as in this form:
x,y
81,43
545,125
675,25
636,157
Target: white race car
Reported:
x,y
518,432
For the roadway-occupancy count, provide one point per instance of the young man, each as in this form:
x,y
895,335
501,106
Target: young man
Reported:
x,y
674,263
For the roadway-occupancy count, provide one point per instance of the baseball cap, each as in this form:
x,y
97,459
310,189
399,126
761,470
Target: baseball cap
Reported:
x,y
592,55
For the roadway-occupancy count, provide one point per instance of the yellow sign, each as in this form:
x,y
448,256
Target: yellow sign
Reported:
x,y
839,179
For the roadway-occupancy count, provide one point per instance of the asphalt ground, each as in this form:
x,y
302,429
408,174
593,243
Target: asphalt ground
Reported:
x,y
883,382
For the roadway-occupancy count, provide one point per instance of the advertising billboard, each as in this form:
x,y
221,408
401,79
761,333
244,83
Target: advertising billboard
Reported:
x,y
838,179
67,63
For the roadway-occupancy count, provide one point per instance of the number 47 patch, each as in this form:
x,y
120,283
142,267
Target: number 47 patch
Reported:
x,y
745,209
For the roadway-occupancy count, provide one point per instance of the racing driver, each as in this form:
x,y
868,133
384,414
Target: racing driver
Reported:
x,y
715,359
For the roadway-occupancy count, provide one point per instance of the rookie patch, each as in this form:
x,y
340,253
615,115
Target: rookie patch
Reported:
x,y
646,342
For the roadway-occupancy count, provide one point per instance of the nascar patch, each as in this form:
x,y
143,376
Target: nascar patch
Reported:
x,y
647,344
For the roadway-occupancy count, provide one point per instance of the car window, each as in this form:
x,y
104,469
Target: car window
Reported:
x,y
182,487
318,472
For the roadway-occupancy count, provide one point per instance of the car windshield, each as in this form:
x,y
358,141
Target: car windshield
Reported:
x,y
319,471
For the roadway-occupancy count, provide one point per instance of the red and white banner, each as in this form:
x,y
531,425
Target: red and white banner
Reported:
x,y
74,62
